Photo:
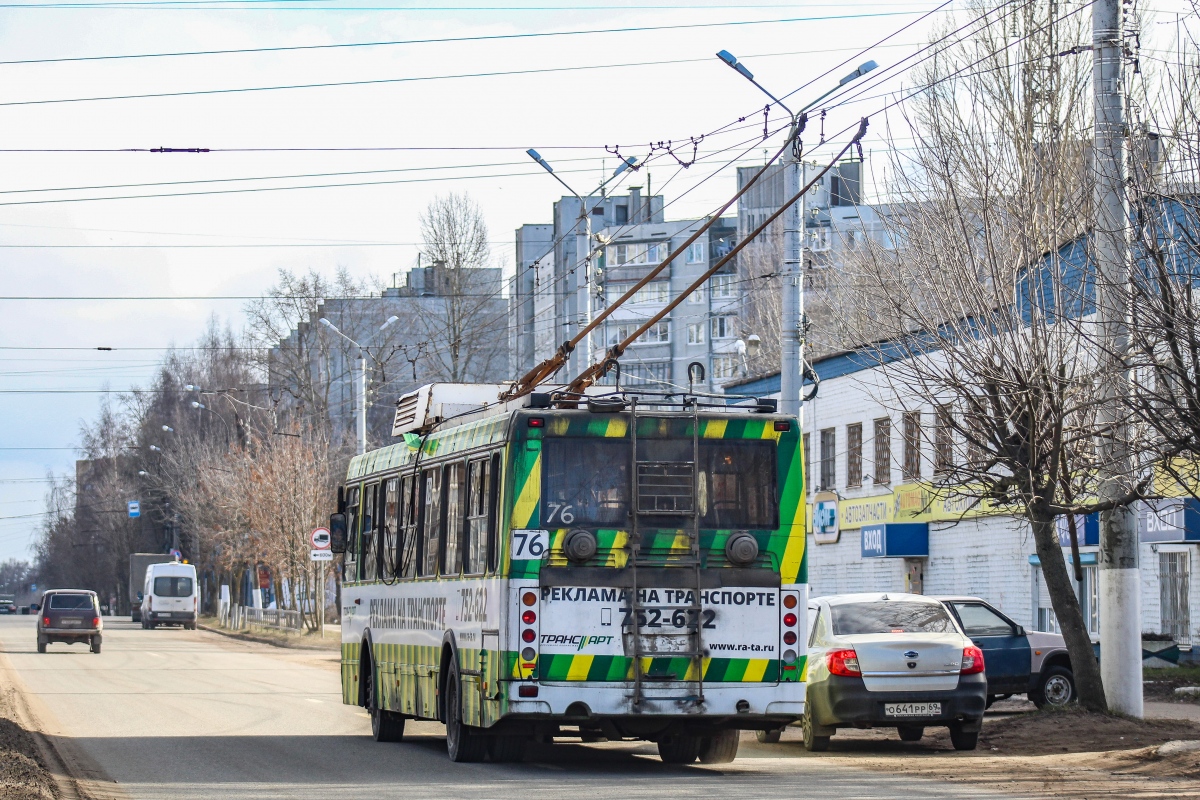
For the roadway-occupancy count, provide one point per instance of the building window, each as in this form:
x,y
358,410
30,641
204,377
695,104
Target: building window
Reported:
x,y
976,442
645,373
820,238
721,326
724,367
695,333
943,442
696,297
695,252
828,459
655,292
721,287
854,454
883,452
912,446
658,333
641,253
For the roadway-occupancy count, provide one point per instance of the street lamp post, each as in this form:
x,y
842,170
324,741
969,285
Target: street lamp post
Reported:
x,y
791,346
196,404
583,254
362,377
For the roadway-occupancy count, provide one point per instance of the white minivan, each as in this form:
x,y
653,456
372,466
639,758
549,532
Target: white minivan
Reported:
x,y
170,596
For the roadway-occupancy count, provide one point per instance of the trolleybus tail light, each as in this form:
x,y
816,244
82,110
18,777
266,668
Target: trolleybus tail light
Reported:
x,y
790,601
783,425
537,422
528,635
844,663
789,637
527,690
528,599
529,617
972,663
789,620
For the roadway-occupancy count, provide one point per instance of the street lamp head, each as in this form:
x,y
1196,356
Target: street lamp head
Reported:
x,y
168,429
191,387
727,57
390,320
753,343
142,473
197,404
155,448
538,158
863,69
629,163
329,325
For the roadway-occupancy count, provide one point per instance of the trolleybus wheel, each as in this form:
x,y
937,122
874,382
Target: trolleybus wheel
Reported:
x,y
462,744
679,749
386,726
720,748
769,737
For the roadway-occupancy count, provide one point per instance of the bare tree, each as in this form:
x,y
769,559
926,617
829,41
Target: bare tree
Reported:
x,y
980,314
464,316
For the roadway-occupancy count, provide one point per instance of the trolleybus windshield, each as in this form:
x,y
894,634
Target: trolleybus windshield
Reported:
x,y
586,482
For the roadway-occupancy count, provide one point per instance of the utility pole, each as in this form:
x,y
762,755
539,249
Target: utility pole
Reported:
x,y
1120,597
583,281
361,422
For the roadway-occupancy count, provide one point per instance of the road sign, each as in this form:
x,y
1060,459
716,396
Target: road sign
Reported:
x,y
320,539
135,509
321,555
175,554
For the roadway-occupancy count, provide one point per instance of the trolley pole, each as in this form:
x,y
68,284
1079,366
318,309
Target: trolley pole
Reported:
x,y
1120,595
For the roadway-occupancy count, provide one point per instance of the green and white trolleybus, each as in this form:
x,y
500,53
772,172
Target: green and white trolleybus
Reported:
x,y
615,566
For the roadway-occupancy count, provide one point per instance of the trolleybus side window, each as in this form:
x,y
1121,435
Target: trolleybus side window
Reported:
x,y
390,529
410,508
452,536
494,516
370,538
586,483
431,520
479,516
352,520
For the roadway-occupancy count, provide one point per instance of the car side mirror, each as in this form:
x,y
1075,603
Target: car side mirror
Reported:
x,y
337,533
1021,630
34,607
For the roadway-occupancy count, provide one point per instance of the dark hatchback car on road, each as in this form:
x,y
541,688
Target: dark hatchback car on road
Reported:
x,y
70,616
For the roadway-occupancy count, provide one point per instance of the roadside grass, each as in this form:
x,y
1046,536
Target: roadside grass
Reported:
x,y
1160,684
308,640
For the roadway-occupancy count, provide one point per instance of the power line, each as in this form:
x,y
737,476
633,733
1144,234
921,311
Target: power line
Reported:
x,y
408,79
441,40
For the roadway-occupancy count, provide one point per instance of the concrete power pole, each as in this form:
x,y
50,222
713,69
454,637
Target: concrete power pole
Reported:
x,y
1120,606
790,355
582,357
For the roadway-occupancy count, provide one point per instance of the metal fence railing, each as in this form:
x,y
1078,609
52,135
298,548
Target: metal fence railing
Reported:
x,y
238,617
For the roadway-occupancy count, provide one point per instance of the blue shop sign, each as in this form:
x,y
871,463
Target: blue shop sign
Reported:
x,y
896,540
1087,530
1169,520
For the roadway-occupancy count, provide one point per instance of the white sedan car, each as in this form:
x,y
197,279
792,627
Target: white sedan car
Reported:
x,y
891,661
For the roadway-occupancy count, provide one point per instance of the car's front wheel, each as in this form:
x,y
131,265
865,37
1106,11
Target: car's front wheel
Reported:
x,y
1056,688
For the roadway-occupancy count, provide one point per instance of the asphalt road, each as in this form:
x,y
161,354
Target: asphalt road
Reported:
x,y
178,715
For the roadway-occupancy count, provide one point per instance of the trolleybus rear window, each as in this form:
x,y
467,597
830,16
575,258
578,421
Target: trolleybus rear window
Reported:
x,y
587,483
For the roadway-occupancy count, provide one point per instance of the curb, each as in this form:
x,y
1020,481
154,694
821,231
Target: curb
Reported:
x,y
250,637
